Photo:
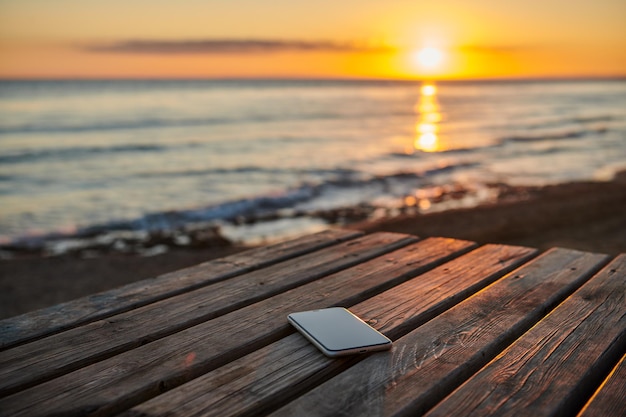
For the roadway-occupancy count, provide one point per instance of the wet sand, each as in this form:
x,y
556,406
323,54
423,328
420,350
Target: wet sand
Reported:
x,y
587,216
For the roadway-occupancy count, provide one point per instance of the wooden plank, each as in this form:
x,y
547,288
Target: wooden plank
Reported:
x,y
558,364
292,365
63,352
428,363
135,376
63,316
610,399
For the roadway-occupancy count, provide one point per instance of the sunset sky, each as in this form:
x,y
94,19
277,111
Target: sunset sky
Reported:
x,y
314,39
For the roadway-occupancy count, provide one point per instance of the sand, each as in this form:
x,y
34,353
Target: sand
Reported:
x,y
589,216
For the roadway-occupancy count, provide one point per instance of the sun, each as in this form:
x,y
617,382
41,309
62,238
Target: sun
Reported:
x,y
429,58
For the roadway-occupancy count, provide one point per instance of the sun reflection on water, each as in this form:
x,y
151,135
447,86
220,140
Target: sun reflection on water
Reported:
x,y
428,117
428,90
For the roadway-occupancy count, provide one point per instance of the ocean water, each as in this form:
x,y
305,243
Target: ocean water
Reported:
x,y
262,159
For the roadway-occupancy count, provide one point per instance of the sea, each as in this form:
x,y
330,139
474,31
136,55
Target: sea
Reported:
x,y
114,163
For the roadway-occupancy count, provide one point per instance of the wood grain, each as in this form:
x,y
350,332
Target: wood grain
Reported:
x,y
279,371
557,365
33,325
22,366
137,375
430,362
610,399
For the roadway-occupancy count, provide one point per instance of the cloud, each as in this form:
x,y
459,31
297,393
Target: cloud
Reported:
x,y
228,46
496,49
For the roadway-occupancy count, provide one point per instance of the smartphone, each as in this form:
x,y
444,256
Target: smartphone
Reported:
x,y
337,332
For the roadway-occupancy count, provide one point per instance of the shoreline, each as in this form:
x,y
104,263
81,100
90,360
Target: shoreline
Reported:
x,y
586,216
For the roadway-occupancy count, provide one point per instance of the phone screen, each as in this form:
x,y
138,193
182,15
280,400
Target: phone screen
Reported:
x,y
338,330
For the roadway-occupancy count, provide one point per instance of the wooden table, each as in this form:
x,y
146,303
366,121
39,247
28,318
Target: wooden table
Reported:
x,y
477,330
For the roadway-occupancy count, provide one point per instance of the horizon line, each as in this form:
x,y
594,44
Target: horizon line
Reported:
x,y
615,77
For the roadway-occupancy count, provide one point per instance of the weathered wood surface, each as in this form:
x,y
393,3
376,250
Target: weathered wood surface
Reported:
x,y
146,371
50,320
81,346
549,369
431,361
465,320
290,365
610,399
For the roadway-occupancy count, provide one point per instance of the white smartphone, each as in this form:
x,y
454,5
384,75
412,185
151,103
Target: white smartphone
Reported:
x,y
337,332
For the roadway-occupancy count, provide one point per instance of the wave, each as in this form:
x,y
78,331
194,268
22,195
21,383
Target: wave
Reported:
x,y
70,153
452,151
556,122
593,119
250,169
570,134
57,126
146,123
305,200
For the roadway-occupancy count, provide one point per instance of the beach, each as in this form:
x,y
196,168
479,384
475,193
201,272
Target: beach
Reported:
x,y
585,215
